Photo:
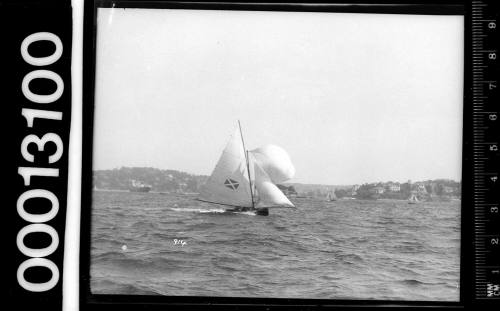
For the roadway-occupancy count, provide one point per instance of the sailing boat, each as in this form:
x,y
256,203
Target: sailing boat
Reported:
x,y
413,199
246,180
330,197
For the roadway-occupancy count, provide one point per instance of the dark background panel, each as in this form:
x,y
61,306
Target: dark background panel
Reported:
x,y
19,19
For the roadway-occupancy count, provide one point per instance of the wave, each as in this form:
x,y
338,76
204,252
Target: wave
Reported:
x,y
356,250
110,255
245,213
111,287
413,282
151,263
141,224
198,210
209,210
350,258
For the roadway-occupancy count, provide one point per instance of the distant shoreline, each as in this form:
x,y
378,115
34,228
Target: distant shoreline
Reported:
x,y
178,182
436,199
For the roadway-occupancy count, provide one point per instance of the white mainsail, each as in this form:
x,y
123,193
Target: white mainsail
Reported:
x,y
413,199
331,196
229,183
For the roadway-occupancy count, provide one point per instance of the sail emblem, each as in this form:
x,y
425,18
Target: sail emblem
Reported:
x,y
231,184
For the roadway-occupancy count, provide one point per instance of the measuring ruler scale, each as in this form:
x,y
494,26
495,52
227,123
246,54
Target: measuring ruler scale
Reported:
x,y
485,155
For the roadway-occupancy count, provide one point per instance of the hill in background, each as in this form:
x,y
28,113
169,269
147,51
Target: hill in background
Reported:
x,y
173,181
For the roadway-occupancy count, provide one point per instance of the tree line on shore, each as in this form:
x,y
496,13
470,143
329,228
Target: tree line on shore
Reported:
x,y
424,190
159,180
182,182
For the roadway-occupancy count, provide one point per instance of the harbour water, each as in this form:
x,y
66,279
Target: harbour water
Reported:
x,y
171,244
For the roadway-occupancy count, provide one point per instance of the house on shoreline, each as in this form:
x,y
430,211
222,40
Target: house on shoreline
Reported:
x,y
393,187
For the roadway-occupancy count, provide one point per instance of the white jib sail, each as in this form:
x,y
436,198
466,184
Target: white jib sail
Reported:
x,y
269,194
229,183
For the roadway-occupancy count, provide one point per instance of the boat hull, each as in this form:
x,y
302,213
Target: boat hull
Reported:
x,y
258,211
262,212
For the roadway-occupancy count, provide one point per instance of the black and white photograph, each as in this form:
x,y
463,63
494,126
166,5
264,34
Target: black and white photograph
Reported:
x,y
277,154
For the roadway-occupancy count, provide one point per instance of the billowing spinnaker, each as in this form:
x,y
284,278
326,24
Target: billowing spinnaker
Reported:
x,y
275,161
269,195
229,182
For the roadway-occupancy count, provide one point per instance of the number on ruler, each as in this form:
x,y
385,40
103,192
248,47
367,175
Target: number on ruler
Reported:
x,y
493,147
493,290
492,116
494,178
492,85
492,25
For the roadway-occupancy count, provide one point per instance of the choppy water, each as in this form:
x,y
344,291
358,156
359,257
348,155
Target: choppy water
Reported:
x,y
340,250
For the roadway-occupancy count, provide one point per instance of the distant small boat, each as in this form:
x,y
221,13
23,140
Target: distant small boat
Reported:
x,y
330,197
246,180
139,186
413,199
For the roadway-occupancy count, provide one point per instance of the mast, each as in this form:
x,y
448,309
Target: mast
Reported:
x,y
248,164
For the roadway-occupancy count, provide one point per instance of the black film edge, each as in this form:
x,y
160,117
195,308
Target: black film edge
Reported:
x,y
36,71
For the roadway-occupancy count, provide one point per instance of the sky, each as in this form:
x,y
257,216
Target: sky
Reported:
x,y
353,98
